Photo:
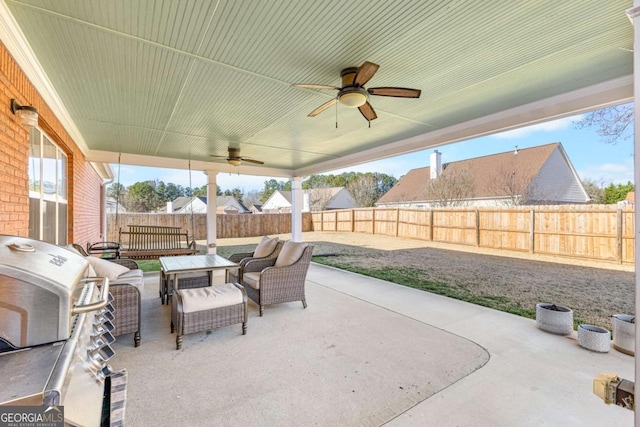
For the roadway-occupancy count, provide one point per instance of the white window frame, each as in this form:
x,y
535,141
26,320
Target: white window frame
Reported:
x,y
56,197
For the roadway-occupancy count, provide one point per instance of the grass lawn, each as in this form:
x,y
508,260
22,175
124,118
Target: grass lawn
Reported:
x,y
502,283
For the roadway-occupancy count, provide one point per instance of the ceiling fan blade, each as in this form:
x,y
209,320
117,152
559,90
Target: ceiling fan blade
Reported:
x,y
368,112
398,92
312,86
365,72
323,107
258,162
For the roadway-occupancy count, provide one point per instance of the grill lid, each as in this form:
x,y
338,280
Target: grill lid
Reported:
x,y
34,260
39,285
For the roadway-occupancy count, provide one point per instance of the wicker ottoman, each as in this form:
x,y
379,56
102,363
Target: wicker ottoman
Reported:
x,y
186,281
203,309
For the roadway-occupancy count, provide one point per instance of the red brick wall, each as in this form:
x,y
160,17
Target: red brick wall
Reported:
x,y
84,183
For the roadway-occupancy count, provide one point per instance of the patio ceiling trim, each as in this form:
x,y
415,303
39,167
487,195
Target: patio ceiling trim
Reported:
x,y
16,43
592,98
165,162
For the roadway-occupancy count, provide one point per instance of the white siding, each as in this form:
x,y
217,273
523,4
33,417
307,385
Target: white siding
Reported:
x,y
342,200
276,203
556,182
198,206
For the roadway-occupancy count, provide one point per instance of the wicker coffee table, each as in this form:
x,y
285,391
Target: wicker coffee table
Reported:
x,y
174,266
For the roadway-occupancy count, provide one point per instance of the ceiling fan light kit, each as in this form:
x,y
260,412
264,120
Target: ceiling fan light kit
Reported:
x,y
353,94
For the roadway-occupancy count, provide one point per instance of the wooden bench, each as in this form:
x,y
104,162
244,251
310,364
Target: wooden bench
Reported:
x,y
151,242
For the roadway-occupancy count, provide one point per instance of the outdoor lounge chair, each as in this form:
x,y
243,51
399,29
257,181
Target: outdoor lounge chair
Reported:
x,y
281,279
268,248
127,295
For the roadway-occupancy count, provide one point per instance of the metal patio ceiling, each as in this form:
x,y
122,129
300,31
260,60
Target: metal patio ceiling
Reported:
x,y
161,80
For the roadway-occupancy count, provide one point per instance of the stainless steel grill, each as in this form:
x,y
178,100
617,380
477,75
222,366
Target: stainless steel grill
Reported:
x,y
55,328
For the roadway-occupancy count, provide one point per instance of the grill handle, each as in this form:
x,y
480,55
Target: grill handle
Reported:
x,y
104,297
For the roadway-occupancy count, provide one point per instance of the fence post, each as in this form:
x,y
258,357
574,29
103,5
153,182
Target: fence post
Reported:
x,y
397,221
431,225
353,220
477,227
373,221
321,220
532,237
619,232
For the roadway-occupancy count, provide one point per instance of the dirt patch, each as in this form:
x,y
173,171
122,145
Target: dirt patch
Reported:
x,y
594,290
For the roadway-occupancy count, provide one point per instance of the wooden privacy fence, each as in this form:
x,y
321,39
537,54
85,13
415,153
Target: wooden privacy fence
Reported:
x,y
227,226
598,232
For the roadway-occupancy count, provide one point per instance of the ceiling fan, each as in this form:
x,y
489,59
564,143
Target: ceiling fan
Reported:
x,y
235,159
353,94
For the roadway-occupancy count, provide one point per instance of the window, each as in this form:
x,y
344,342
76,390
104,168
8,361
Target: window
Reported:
x,y
47,190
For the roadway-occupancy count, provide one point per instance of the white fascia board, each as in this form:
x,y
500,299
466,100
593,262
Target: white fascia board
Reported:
x,y
16,43
594,97
103,170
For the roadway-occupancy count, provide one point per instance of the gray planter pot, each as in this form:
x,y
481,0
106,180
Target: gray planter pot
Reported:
x,y
554,318
624,333
594,338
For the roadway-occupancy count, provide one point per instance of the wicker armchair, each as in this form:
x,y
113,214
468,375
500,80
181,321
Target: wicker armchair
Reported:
x,y
267,284
126,292
242,258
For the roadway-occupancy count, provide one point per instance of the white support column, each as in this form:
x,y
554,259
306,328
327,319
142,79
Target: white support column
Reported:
x,y
634,14
212,207
296,208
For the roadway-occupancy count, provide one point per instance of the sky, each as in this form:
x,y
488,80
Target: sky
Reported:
x,y
592,159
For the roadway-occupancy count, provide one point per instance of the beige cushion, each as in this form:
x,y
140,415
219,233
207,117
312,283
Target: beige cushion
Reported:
x,y
131,277
105,268
199,299
290,253
265,247
252,279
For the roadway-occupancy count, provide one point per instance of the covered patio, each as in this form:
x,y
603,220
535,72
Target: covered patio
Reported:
x,y
365,352
197,85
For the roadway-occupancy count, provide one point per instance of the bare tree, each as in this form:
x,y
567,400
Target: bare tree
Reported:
x,y
364,191
516,185
450,189
595,191
319,198
253,197
613,124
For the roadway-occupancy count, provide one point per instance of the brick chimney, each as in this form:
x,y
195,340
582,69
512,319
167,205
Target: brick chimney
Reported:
x,y
435,164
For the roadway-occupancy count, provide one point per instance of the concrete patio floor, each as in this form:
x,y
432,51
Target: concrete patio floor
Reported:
x,y
533,378
504,371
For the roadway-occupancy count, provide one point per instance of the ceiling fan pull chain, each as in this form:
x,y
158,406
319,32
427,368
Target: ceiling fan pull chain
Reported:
x,y
336,115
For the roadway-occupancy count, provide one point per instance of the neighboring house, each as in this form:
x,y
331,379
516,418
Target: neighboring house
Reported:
x,y
530,176
112,206
315,199
224,205
255,209
630,200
